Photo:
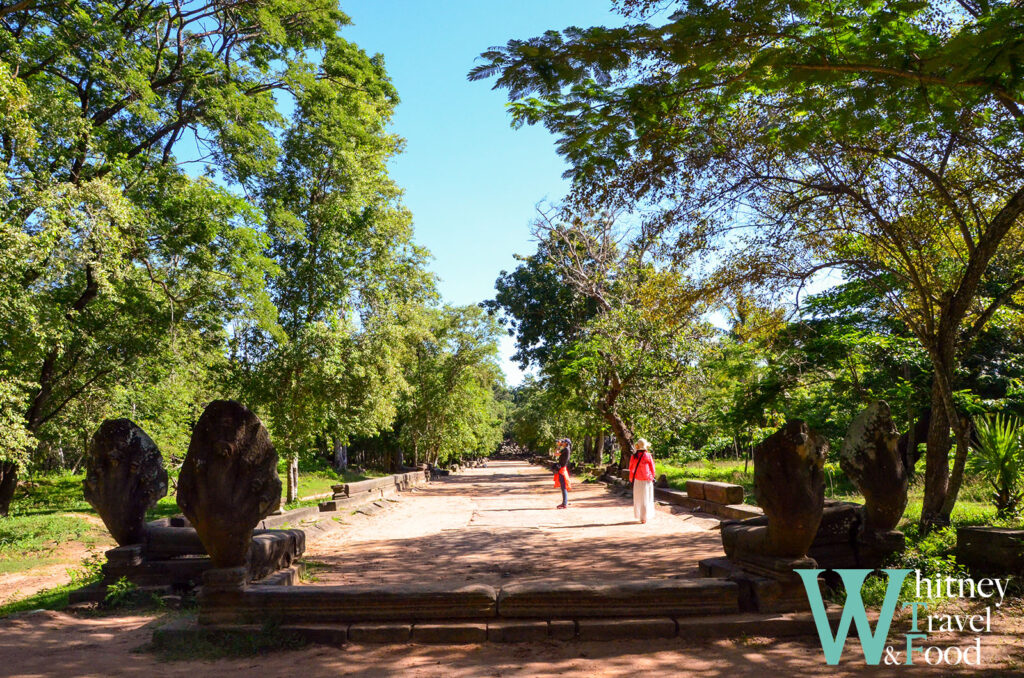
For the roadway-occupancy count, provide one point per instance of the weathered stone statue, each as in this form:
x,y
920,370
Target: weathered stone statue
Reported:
x,y
789,484
124,478
229,481
870,457
762,553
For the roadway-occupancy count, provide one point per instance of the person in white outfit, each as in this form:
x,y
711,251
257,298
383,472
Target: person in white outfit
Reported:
x,y
641,474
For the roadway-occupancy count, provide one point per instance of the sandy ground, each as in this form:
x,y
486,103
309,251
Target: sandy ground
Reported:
x,y
488,525
498,525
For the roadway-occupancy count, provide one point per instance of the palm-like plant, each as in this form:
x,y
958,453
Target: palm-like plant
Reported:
x,y
999,459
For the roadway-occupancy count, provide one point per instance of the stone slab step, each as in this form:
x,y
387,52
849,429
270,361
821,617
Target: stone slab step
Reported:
x,y
643,598
325,604
183,631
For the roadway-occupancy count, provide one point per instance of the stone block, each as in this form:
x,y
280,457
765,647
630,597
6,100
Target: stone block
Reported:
x,y
380,633
695,489
371,485
329,604
652,597
991,549
449,634
715,567
272,550
171,542
562,629
291,518
627,629
125,556
525,631
723,493
738,511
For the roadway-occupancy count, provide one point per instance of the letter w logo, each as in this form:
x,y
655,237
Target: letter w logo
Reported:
x,y
872,644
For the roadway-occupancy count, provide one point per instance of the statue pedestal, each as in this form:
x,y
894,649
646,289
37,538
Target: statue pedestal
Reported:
x,y
767,583
225,579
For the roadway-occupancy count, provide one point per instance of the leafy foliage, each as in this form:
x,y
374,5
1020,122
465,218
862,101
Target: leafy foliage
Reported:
x,y
999,458
767,142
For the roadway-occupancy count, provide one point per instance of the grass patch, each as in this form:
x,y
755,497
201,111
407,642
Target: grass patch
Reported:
x,y
30,541
24,564
311,569
49,494
319,480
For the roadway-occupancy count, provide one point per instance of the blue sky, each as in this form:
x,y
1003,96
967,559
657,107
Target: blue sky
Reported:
x,y
471,181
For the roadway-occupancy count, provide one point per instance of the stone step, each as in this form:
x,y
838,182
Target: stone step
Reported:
x,y
412,603
643,598
183,631
328,604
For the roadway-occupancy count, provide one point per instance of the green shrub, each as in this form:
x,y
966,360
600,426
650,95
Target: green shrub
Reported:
x,y
999,459
120,592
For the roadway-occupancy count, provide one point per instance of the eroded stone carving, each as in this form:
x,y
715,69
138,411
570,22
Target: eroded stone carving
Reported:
x,y
870,457
229,480
124,478
789,483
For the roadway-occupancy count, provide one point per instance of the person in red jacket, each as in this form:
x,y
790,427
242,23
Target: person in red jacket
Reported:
x,y
564,447
641,474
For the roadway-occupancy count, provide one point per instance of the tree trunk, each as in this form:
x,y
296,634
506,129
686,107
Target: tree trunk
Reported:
x,y
936,469
340,456
622,432
397,460
941,488
588,449
956,476
293,480
599,448
8,483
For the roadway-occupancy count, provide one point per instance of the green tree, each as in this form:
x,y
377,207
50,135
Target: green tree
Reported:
x,y
454,408
132,138
624,328
778,140
342,242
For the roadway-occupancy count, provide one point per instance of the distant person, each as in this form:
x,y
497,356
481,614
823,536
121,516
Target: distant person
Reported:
x,y
564,447
641,474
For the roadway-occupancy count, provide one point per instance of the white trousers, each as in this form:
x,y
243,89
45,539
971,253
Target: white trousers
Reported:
x,y
643,499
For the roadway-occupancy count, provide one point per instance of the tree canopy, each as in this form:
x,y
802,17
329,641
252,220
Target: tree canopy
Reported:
x,y
765,141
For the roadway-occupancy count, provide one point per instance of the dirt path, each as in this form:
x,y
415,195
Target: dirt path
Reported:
x,y
499,524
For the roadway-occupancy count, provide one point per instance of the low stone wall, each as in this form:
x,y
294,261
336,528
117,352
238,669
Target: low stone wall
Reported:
x,y
360,493
172,559
734,511
722,500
